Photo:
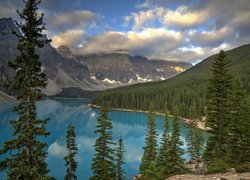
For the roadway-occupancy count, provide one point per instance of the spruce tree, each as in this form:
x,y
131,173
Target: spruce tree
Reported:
x,y
27,160
238,131
71,164
219,109
244,144
103,163
175,162
234,127
121,175
195,142
150,148
162,158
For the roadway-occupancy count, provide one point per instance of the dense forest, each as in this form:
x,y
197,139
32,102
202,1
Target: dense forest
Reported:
x,y
188,90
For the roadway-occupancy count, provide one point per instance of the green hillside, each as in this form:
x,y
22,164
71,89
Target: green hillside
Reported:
x,y
187,91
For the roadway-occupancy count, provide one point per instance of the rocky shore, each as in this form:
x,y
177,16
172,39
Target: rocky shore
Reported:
x,y
219,176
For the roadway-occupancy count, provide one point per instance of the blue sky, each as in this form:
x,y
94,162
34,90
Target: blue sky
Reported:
x,y
184,30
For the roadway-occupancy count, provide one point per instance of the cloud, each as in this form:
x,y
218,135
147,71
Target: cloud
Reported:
x,y
8,8
79,19
159,29
71,38
145,18
147,42
212,38
57,150
184,18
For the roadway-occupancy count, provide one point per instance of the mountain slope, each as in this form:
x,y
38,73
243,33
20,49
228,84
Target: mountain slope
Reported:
x,y
54,65
186,90
4,98
120,68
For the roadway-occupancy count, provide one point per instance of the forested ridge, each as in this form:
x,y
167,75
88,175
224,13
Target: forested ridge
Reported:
x,y
187,91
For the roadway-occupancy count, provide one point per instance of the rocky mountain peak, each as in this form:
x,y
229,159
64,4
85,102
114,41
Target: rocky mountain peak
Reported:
x,y
65,52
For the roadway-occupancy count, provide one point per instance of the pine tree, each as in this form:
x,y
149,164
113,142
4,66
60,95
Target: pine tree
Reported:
x,y
152,172
244,144
161,159
175,162
71,164
195,142
234,127
103,165
28,155
238,131
150,149
119,160
219,109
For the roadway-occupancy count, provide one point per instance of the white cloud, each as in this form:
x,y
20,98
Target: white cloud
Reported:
x,y
145,18
58,150
70,38
211,38
77,19
183,17
147,42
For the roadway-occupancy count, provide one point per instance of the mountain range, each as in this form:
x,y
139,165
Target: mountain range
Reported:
x,y
91,72
187,91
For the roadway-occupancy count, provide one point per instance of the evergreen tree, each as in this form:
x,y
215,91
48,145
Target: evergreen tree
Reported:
x,y
238,140
152,172
72,151
219,109
162,158
175,162
119,160
103,165
234,127
244,144
28,155
195,142
150,149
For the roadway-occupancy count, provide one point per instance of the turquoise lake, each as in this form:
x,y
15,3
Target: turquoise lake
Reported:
x,y
130,125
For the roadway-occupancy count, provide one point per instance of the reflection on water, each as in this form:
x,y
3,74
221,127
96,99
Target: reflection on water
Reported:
x,y
130,125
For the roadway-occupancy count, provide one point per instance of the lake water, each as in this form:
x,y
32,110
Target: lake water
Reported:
x,y
130,125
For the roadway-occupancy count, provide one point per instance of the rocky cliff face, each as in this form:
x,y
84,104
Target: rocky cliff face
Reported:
x,y
114,67
125,69
8,49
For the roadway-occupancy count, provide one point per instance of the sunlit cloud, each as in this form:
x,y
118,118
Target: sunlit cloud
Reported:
x,y
70,38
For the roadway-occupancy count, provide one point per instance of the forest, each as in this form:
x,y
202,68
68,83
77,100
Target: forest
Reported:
x,y
188,90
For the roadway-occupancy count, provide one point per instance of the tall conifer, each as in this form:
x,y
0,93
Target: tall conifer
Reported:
x,y
175,162
71,164
150,148
103,163
28,155
195,142
219,109
121,175
162,158
238,130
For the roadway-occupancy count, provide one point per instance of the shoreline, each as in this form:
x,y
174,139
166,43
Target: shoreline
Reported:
x,y
200,124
